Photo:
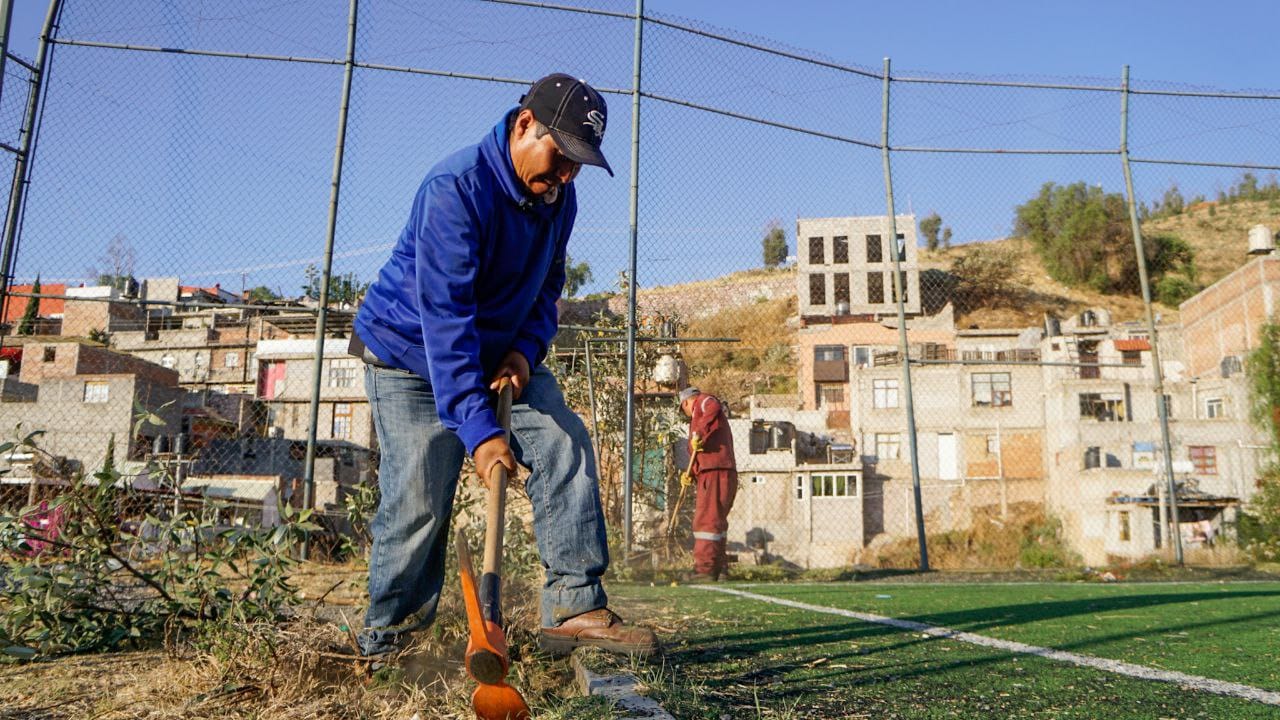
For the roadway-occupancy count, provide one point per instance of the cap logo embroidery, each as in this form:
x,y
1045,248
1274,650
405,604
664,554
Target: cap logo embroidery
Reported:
x,y
596,120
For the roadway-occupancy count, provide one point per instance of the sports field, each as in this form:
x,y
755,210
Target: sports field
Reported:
x,y
1042,650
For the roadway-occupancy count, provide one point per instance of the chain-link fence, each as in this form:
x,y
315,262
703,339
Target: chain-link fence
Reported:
x,y
801,227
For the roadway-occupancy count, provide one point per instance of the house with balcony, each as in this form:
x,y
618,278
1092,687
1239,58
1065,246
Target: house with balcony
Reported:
x,y
801,498
284,375
1107,480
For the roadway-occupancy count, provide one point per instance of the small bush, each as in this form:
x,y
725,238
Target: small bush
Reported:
x,y
1173,290
1259,526
114,575
986,276
1026,538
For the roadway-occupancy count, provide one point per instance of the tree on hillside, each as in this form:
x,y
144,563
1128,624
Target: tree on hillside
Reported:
x,y
1084,238
575,276
929,227
27,325
946,238
775,245
986,276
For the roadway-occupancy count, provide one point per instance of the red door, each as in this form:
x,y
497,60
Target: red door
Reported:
x,y
270,378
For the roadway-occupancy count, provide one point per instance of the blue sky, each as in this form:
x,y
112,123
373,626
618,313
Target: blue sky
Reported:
x,y
218,170
1227,44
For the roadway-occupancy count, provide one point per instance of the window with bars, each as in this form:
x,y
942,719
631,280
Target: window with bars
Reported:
x,y
342,372
817,289
342,421
1131,357
96,391
875,249
816,254
842,287
884,393
830,394
902,283
840,249
991,389
875,288
1204,458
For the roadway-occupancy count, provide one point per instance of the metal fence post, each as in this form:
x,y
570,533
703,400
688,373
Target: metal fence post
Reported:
x,y
309,471
1161,408
631,281
591,395
905,349
6,21
22,163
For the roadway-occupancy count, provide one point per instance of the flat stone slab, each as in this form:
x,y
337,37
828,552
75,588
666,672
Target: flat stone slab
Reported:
x,y
621,690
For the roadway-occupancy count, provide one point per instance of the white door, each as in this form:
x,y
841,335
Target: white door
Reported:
x,y
947,456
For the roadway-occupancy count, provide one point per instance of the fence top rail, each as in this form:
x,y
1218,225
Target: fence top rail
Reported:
x,y
683,27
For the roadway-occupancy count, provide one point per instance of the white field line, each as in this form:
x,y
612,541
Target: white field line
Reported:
x,y
1195,682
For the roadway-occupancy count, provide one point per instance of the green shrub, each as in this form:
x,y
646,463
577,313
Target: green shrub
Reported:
x,y
113,578
1173,290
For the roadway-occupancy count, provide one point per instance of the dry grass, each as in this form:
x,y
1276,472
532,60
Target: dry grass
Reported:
x,y
1221,240
1024,538
302,669
1038,293
761,362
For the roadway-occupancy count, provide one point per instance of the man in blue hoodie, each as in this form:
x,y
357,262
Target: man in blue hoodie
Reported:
x,y
468,297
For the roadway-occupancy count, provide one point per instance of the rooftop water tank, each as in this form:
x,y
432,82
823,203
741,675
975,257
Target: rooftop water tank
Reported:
x,y
1261,241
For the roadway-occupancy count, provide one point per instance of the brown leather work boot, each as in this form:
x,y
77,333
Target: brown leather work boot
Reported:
x,y
600,628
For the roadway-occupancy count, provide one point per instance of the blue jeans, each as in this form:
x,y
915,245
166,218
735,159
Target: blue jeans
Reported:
x,y
418,475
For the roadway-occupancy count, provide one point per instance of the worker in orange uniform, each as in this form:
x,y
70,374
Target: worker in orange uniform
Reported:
x,y
712,466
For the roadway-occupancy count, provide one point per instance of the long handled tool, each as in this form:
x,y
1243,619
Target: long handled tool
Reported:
x,y
486,659
675,512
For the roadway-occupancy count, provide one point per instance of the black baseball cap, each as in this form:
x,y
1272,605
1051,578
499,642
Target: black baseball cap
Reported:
x,y
574,113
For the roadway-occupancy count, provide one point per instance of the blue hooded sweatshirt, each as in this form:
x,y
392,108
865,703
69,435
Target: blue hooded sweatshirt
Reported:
x,y
476,273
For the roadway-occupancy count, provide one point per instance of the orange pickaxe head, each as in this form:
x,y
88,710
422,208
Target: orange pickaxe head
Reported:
x,y
486,658
499,702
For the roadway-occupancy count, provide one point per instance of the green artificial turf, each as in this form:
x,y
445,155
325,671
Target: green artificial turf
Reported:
x,y
742,658
1223,631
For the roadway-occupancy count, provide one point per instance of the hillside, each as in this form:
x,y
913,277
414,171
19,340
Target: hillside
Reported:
x,y
758,306
1217,233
